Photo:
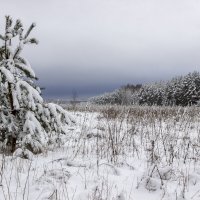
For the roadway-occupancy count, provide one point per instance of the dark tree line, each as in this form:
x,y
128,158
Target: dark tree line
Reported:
x,y
180,91
126,95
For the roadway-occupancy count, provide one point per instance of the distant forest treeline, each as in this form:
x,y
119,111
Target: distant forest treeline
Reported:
x,y
180,91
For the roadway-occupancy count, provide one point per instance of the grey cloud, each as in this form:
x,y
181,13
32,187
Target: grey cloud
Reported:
x,y
101,44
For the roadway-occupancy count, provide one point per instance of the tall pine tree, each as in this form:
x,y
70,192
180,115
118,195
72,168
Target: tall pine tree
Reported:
x,y
25,120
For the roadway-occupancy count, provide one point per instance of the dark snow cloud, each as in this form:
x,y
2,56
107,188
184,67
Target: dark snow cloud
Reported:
x,y
93,46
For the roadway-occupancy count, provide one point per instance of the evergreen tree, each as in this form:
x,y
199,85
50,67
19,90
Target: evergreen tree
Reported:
x,y
25,120
152,94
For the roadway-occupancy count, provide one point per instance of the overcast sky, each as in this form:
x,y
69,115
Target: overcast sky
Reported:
x,y
93,46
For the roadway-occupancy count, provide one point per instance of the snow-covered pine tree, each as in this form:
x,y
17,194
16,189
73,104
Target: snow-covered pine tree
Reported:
x,y
152,94
25,120
191,88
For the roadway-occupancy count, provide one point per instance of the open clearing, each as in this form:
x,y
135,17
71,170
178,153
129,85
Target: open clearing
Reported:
x,y
113,153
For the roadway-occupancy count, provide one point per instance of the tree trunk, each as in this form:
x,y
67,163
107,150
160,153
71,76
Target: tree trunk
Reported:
x,y
11,139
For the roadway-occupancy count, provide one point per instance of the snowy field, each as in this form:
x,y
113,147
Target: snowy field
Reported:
x,y
125,153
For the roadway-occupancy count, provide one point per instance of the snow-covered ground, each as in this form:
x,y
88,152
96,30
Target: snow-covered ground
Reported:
x,y
138,154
